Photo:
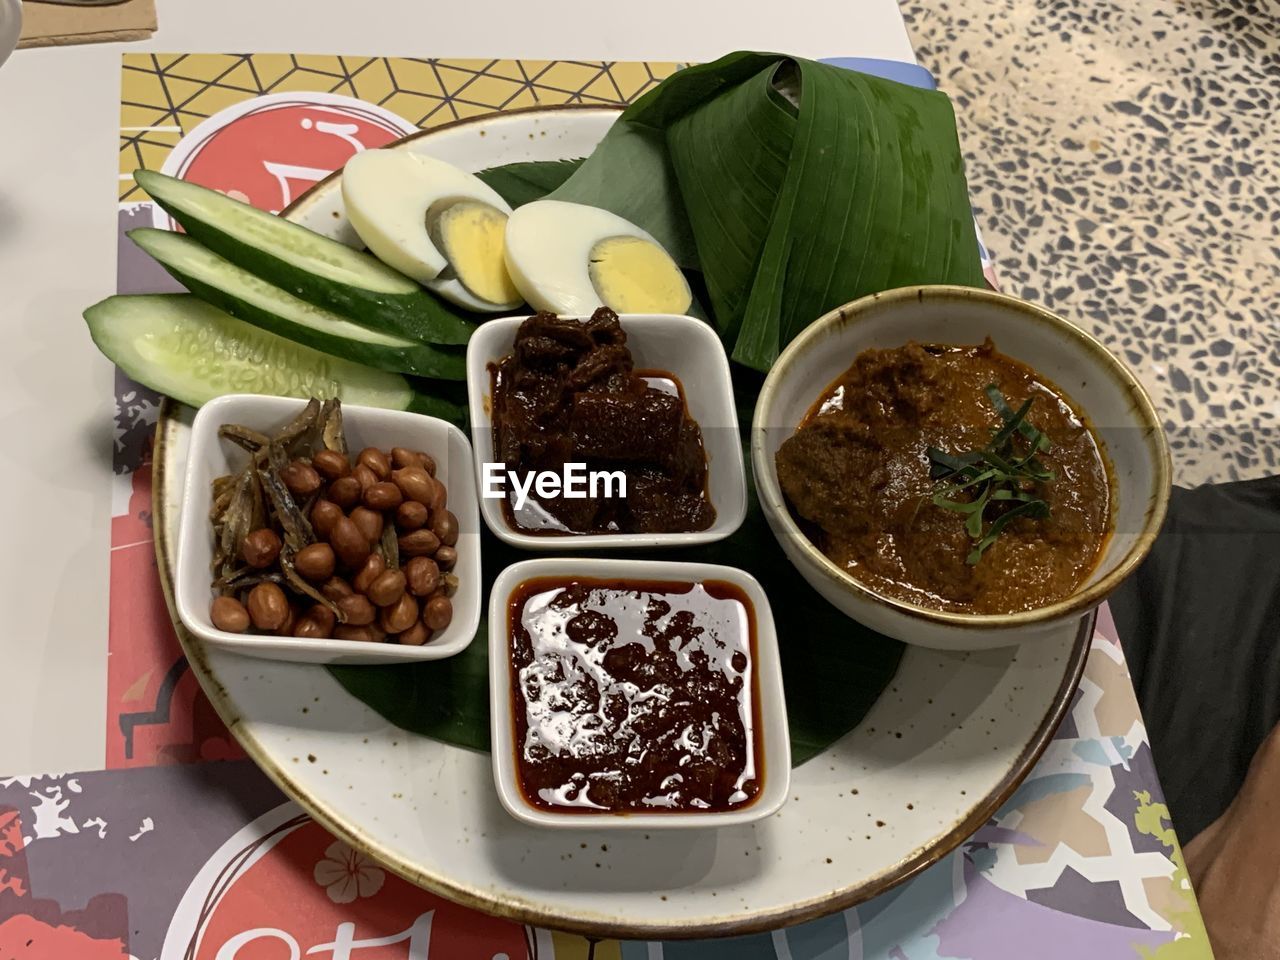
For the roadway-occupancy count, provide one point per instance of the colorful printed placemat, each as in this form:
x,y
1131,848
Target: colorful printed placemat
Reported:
x,y
209,861
168,860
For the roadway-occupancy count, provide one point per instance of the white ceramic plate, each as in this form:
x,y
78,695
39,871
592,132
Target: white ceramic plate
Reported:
x,y
945,745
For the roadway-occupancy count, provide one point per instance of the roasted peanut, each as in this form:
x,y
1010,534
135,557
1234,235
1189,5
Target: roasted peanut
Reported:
x,y
411,515
370,572
383,496
260,548
315,562
229,614
446,557
415,483
387,588
356,610
335,588
404,457
375,460
445,526
301,478
324,515
322,615
367,633
331,464
308,628
349,543
290,621
438,613
369,523
415,636
400,615
317,623
419,543
439,496
268,606
345,492
422,576
366,477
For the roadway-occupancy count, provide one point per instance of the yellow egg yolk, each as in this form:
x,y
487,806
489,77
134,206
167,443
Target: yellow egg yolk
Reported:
x,y
470,235
633,275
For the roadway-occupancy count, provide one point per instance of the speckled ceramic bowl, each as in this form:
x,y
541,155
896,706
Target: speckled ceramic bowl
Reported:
x,y
1103,388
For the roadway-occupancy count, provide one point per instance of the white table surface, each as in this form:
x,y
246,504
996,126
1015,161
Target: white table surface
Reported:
x,y
59,118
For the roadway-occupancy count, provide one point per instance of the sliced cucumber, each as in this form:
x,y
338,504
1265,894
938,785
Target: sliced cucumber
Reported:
x,y
193,352
316,268
256,301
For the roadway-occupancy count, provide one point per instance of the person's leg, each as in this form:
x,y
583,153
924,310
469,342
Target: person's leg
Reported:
x,y
1200,625
1235,865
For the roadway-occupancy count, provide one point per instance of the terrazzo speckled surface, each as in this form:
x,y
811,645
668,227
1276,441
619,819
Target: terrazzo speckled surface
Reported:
x,y
1124,164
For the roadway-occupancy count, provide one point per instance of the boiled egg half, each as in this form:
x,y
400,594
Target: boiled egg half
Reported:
x,y
435,223
570,258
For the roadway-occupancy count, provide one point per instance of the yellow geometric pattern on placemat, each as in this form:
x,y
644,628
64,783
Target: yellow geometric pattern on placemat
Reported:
x,y
164,96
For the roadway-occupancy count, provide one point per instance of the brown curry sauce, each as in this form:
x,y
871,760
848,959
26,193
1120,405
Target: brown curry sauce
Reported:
x,y
857,476
634,696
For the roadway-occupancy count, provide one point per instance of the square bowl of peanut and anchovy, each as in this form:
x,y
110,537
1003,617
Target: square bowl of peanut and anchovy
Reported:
x,y
323,533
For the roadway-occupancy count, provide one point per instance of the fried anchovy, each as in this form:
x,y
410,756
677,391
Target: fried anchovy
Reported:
x,y
245,437
244,577
257,506
297,528
331,430
300,426
237,522
223,490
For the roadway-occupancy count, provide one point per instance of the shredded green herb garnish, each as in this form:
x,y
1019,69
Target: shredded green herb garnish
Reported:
x,y
1002,473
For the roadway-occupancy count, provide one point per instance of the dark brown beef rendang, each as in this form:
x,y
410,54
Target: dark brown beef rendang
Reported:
x,y
569,393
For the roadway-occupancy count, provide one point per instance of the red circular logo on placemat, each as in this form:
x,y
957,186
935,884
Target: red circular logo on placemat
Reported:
x,y
284,889
269,150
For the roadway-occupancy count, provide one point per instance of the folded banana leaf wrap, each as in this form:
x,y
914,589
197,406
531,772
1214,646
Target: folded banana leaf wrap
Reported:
x,y
792,186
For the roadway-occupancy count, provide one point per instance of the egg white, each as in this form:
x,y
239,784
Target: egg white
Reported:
x,y
387,194
549,248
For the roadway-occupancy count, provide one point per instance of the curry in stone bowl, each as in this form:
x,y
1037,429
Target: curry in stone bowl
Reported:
x,y
957,468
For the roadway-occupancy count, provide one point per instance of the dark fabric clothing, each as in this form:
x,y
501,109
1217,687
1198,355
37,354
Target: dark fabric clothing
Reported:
x,y
1200,625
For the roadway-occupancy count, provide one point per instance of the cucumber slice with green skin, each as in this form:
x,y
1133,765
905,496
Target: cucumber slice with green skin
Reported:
x,y
313,267
193,352
254,300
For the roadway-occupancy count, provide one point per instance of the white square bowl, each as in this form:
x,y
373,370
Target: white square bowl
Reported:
x,y
210,456
684,346
775,734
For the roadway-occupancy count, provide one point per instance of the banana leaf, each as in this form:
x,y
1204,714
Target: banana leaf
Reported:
x,y
833,668
519,183
793,186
